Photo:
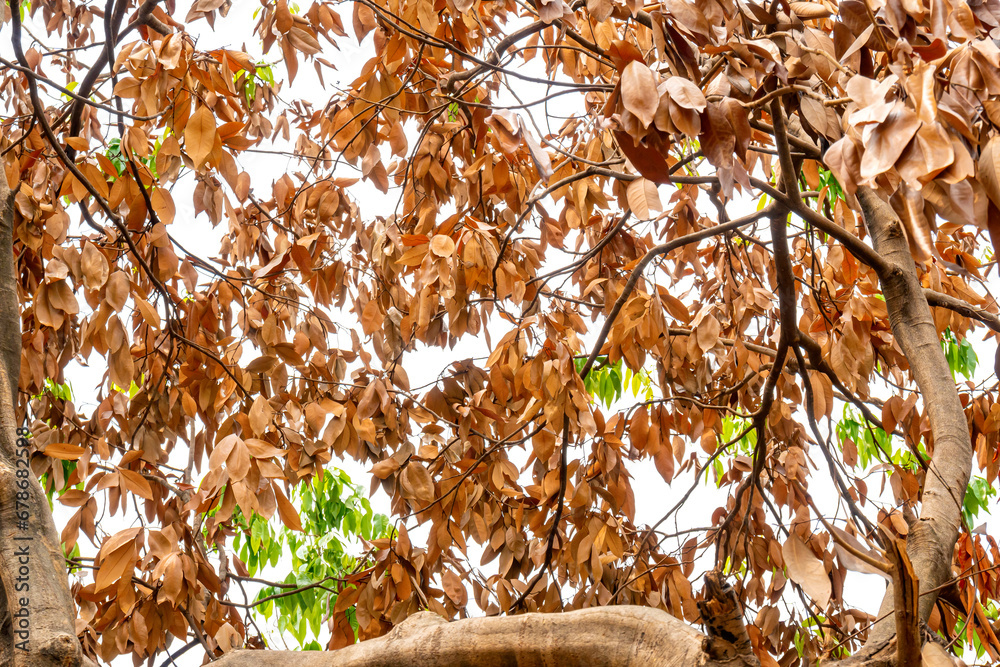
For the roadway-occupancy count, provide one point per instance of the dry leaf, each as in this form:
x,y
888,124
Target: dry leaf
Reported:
x,y
200,135
643,198
639,95
442,246
805,569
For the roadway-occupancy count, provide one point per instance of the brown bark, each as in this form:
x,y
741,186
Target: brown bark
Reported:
x,y
906,590
722,615
595,637
931,540
36,608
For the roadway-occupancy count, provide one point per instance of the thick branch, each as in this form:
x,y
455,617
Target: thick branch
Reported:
x,y
939,300
932,540
595,637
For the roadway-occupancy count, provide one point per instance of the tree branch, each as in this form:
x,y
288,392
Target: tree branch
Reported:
x,y
595,637
931,541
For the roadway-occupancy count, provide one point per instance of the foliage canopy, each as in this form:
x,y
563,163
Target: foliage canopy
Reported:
x,y
742,243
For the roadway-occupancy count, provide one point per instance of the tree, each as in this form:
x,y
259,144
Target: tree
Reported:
x,y
745,244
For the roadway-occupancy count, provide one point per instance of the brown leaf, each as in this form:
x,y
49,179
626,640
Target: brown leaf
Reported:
x,y
685,94
384,468
442,246
888,140
810,10
599,10
454,588
94,265
507,129
909,205
261,449
221,452
122,368
646,159
64,451
844,160
538,155
364,21
200,135
282,17
149,314
933,655
117,290
639,96
664,460
805,569
718,141
858,42
397,140
163,204
238,461
852,562
260,415
639,428
114,566
286,511
708,333
643,198
417,483
135,483
262,364
304,41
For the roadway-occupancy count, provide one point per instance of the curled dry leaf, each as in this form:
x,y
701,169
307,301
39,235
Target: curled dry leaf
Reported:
x,y
888,140
810,10
507,128
94,265
909,204
844,160
538,155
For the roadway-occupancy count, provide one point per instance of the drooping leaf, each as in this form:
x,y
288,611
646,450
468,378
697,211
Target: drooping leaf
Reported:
x,y
805,569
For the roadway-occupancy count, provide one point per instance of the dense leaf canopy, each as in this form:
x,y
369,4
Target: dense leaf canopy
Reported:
x,y
743,244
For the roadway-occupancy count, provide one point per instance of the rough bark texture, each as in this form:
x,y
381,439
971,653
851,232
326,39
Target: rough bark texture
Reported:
x,y
36,609
931,541
596,637
905,596
722,614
